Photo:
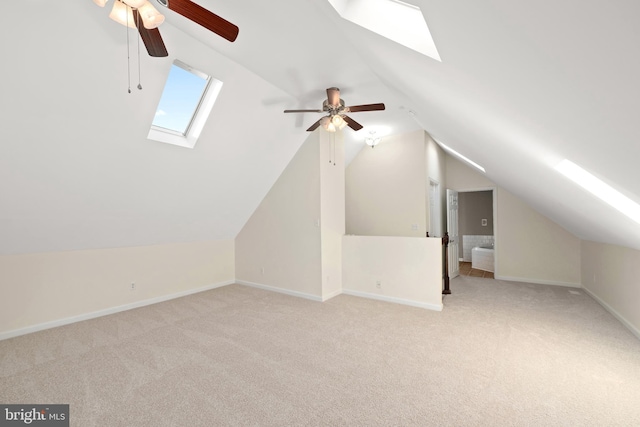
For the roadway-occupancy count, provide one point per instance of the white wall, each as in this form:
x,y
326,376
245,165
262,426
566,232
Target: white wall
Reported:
x,y
610,275
408,269
279,246
529,246
532,248
49,289
386,188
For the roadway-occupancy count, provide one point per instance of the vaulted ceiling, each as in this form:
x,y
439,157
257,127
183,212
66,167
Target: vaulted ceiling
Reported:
x,y
521,86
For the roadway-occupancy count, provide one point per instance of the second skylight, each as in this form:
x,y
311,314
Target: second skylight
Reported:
x,y
396,20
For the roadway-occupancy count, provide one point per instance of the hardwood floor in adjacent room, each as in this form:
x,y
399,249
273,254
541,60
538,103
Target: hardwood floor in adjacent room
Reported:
x,y
467,270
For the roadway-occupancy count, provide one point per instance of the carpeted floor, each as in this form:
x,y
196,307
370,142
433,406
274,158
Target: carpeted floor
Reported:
x,y
500,354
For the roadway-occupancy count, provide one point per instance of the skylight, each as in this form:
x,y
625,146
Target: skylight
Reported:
x,y
600,189
394,19
187,100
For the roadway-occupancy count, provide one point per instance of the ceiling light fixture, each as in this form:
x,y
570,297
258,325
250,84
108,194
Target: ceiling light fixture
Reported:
x,y
600,189
372,140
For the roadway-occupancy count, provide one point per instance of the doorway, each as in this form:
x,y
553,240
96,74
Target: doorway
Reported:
x,y
471,219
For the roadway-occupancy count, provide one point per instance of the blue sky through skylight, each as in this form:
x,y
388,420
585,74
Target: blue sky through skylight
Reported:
x,y
180,99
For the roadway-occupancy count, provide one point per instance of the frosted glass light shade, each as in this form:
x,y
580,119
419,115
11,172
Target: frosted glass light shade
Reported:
x,y
151,18
372,142
338,122
135,3
326,123
122,14
100,3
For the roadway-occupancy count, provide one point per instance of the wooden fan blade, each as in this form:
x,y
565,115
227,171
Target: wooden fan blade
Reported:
x,y
151,38
333,96
352,123
202,16
303,111
314,126
365,107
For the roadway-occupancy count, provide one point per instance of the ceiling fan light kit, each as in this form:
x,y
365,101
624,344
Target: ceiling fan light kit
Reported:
x,y
123,13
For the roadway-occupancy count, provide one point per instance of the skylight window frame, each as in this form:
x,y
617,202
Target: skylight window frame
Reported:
x,y
200,115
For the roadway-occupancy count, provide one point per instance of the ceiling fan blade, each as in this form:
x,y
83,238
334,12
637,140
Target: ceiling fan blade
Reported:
x,y
202,16
333,96
352,123
314,126
303,111
151,38
365,107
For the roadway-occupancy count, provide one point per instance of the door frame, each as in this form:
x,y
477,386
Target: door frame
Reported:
x,y
452,251
494,196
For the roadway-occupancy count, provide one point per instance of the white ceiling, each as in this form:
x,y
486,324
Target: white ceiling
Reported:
x,y
521,86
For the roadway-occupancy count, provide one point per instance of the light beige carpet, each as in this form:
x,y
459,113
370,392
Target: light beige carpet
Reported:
x,y
500,354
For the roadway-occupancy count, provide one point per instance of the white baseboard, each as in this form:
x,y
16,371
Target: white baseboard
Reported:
x,y
331,295
635,331
538,281
435,307
279,290
108,311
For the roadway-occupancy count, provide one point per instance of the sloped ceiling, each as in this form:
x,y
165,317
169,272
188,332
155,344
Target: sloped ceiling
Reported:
x,y
521,86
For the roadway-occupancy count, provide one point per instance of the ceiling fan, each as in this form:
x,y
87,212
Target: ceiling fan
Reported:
x,y
337,118
142,15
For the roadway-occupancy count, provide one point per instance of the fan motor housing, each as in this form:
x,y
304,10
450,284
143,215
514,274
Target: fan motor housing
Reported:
x,y
334,109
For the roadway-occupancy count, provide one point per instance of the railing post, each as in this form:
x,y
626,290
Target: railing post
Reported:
x,y
445,268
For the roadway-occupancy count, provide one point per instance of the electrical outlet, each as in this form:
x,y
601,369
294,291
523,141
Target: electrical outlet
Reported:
x,y
262,271
414,227
378,284
133,286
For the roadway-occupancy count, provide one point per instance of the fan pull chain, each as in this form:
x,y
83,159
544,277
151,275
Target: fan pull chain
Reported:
x,y
138,26
128,59
334,149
